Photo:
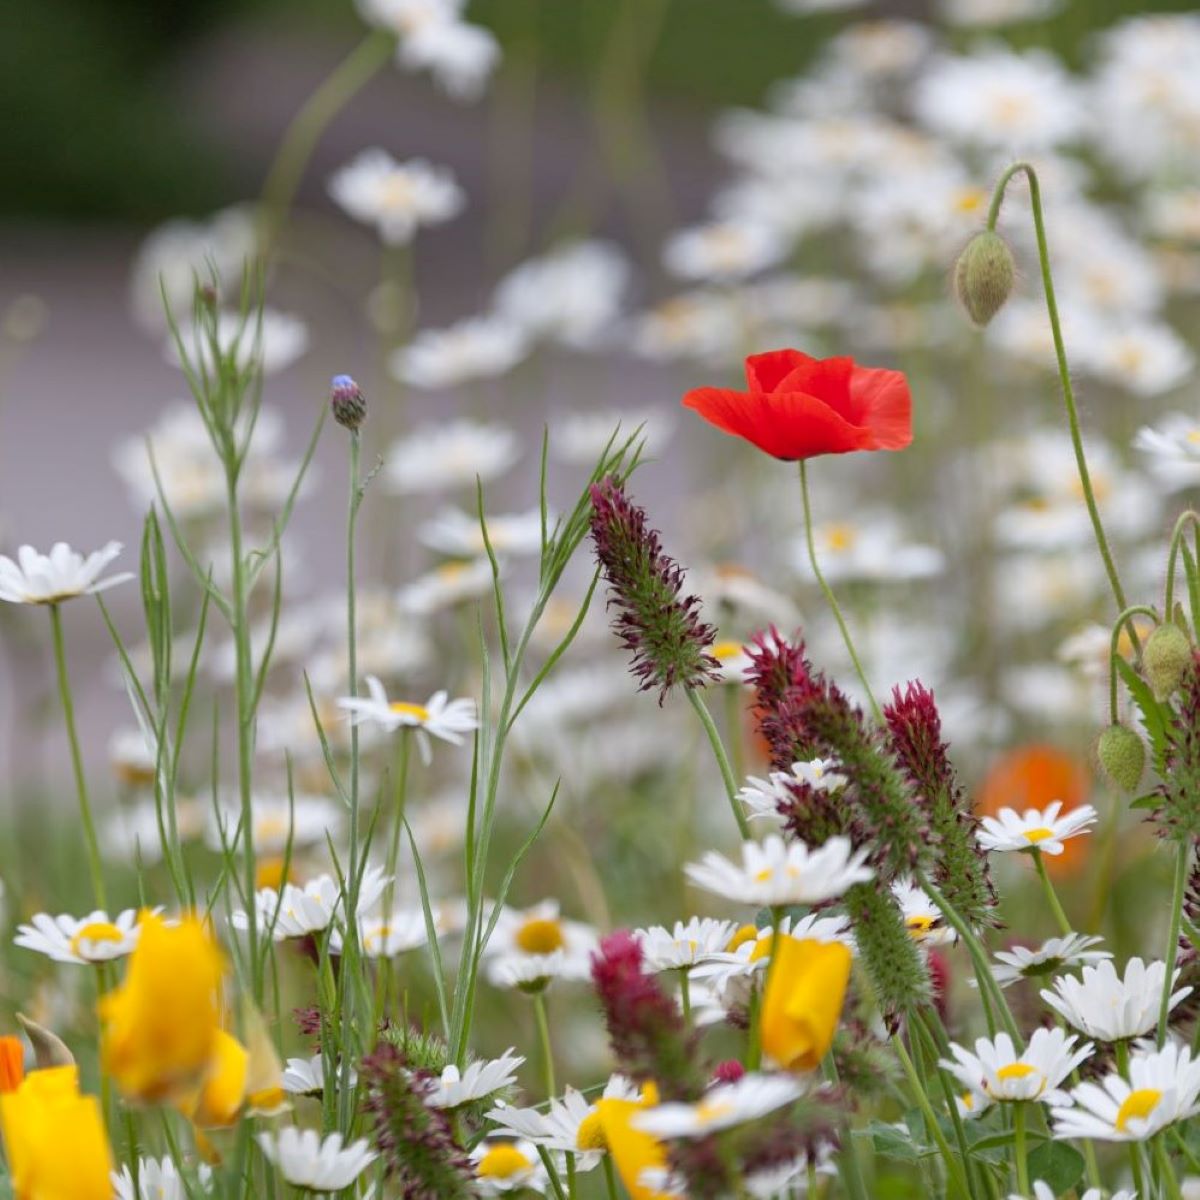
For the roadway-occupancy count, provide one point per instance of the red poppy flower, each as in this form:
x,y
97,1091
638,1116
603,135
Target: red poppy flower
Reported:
x,y
799,407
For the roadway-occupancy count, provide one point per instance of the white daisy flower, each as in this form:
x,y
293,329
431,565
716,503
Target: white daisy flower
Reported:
x,y
132,757
476,348
446,586
480,1079
1111,1008
683,945
977,13
530,947
569,1125
439,717
60,575
871,549
721,1107
733,661
1042,830
296,912
269,341
397,198
763,796
307,1161
1163,1087
302,819
452,454
580,437
922,918
95,938
385,935
458,534
777,873
502,1166
1172,450
306,1076
157,1179
723,251
1053,955
972,1103
1001,1074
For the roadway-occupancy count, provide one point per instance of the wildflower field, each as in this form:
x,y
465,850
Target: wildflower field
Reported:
x,y
717,715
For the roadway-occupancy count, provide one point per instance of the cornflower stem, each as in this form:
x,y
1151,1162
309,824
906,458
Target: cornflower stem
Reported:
x,y
1019,1154
1064,925
543,1026
954,1169
718,749
1166,1171
300,140
81,788
1060,353
1182,861
830,598
610,1178
848,1165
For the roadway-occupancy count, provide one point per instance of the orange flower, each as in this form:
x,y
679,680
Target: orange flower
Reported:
x,y
12,1063
1031,777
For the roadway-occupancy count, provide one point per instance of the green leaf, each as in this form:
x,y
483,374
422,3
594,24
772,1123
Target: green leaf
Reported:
x,y
889,1141
1149,708
1057,1164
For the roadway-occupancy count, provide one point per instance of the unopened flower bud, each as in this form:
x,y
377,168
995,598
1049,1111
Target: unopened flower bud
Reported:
x,y
1167,656
49,1050
348,403
1122,756
983,276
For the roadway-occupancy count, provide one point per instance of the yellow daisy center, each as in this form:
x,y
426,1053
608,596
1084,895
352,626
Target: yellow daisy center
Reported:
x,y
404,708
841,537
969,200
708,1111
763,875
397,192
95,931
502,1162
723,650
1017,1070
590,1134
1033,836
541,935
270,827
1194,436
744,934
451,571
920,926
968,1101
270,874
1138,1104
762,948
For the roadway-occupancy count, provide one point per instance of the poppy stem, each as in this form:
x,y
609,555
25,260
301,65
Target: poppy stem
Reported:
x,y
830,598
1060,353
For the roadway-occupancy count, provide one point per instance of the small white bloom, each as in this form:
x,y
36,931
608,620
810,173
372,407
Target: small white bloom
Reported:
x,y
295,912
1001,1074
480,1079
683,945
763,796
530,947
1163,1087
306,1076
1172,450
397,198
157,1179
721,1107
269,341
1042,830
458,534
1055,954
477,348
581,437
922,918
439,717
306,1161
451,454
723,251
300,819
1110,1008
977,13
776,873
502,1166
446,586
873,549
95,938
60,575
385,935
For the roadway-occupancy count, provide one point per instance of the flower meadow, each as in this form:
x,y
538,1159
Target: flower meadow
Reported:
x,y
823,825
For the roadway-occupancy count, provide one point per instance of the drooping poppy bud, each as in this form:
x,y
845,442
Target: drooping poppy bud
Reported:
x,y
1167,656
983,276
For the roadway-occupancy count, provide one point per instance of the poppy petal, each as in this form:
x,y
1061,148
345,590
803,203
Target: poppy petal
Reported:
x,y
884,407
765,372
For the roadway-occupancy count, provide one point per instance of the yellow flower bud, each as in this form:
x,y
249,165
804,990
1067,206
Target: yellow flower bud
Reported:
x,y
806,987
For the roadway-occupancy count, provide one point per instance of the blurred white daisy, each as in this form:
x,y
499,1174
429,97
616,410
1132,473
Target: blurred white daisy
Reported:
x,y
301,819
480,1079
95,938
1144,357
581,437
385,935
307,1161
268,341
776,873
458,534
977,13
157,1179
721,1107
503,1165
530,947
684,944
439,717
1035,829
1002,1074
306,1076
872,548
396,197
762,797
1055,954
296,912
453,454
1110,1007
476,348
1172,450
60,575
446,586
1163,1087
723,251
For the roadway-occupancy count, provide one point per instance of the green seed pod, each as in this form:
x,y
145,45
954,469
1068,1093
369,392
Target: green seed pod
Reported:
x,y
983,276
1167,656
1122,756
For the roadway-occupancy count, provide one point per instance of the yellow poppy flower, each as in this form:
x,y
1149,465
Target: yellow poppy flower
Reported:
x,y
632,1150
806,986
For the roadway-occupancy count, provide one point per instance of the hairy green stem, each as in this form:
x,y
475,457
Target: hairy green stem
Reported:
x,y
1183,858
547,1046
718,749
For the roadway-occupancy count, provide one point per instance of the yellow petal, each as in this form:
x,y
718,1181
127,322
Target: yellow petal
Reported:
x,y
803,1002
632,1150
219,1099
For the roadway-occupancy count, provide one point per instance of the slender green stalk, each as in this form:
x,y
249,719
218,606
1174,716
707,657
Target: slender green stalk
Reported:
x,y
610,1178
1114,647
848,1165
547,1046
1060,353
830,598
685,997
718,749
1064,925
1183,858
1187,518
1019,1153
1166,1171
954,1169
81,788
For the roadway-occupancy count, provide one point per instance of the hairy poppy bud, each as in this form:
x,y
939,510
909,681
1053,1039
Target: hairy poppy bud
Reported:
x,y
1122,756
983,276
348,403
1167,655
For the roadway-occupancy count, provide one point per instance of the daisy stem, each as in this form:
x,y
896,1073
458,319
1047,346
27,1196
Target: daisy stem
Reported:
x,y
1060,353
848,1165
1064,925
1166,1171
718,749
68,707
1183,858
954,1169
830,598
610,1178
543,1025
685,997
1019,1148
